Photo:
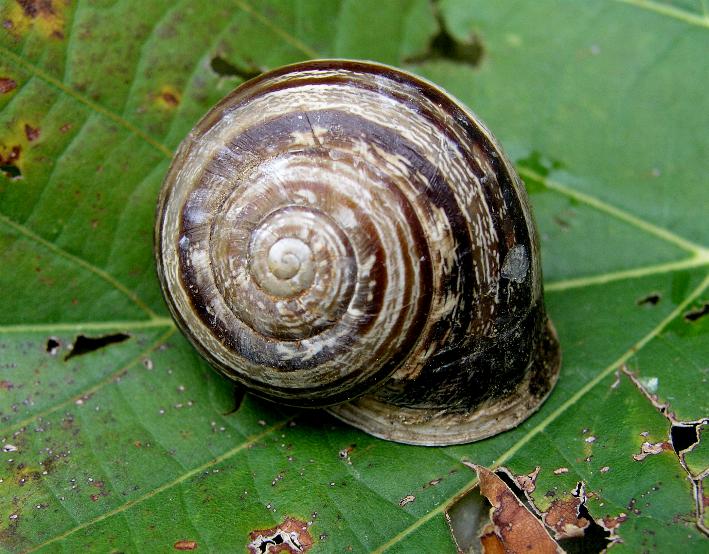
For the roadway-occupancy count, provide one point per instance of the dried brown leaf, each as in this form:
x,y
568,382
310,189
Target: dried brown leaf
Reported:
x,y
517,529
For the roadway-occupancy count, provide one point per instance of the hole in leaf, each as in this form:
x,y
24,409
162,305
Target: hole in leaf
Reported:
x,y
694,315
683,437
11,171
515,488
595,538
445,46
222,67
289,536
84,345
52,346
651,299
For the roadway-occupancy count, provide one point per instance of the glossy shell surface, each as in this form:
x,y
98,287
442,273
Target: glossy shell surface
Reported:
x,y
338,230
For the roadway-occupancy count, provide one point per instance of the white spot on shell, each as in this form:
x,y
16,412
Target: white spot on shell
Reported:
x,y
516,264
346,217
336,154
307,195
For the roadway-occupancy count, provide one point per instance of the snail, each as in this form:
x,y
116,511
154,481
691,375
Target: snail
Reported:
x,y
346,235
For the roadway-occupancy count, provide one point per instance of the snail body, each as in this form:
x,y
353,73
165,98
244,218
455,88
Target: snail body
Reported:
x,y
344,234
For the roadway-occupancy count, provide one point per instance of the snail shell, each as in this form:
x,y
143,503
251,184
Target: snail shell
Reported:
x,y
344,234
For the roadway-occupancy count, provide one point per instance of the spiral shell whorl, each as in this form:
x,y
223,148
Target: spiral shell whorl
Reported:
x,y
333,226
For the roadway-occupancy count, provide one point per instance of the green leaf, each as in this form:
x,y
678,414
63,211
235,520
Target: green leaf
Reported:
x,y
116,436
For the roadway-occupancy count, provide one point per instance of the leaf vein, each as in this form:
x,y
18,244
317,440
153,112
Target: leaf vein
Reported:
x,y
89,390
285,35
670,11
644,271
27,233
617,213
84,325
141,55
33,69
168,485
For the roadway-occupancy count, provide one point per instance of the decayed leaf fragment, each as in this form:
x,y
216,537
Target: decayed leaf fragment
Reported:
x,y
514,528
528,482
290,536
563,517
648,449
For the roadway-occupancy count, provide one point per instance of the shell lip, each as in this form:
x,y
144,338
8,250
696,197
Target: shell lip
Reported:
x,y
425,427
